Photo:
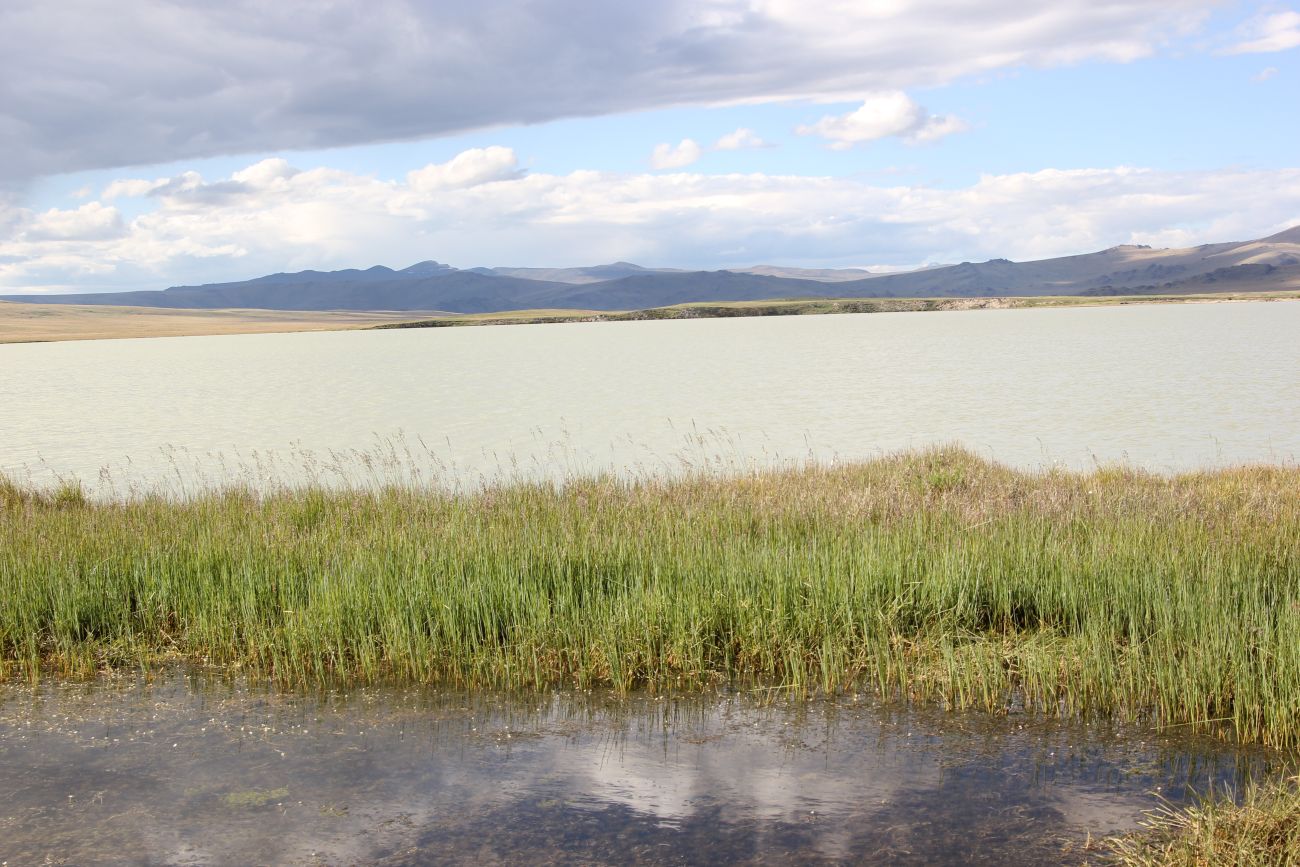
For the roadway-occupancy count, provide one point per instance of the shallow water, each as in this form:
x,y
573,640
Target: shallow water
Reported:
x,y
1164,387
195,770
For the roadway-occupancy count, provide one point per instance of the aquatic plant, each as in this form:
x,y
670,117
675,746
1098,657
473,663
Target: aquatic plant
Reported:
x,y
933,575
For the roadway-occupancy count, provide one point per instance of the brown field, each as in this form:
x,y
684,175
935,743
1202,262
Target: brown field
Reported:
x,y
34,323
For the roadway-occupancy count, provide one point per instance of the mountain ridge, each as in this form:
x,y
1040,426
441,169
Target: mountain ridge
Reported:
x,y
1270,262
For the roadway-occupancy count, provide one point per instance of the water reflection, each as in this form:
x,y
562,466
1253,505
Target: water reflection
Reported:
x,y
188,770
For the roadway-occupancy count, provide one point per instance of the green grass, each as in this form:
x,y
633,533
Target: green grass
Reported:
x,y
1263,830
935,576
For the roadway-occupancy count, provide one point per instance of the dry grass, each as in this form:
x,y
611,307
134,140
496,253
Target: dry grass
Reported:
x,y
820,306
1263,830
35,323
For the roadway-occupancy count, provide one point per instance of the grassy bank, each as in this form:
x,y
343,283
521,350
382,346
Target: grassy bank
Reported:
x,y
1262,830
822,306
934,575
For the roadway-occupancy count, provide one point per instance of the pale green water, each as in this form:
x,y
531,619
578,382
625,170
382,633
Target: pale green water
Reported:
x,y
1164,387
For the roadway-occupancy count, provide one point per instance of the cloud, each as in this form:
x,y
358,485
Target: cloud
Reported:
x,y
884,114
198,230
467,169
740,139
91,85
130,188
91,222
1268,32
667,156
1265,74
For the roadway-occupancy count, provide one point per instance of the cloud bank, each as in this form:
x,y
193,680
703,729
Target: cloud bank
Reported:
x,y
478,209
88,84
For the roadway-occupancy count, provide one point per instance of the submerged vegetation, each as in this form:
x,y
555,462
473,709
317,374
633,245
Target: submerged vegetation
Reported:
x,y
935,575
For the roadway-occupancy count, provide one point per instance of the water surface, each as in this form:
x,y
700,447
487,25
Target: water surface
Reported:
x,y
188,770
1164,387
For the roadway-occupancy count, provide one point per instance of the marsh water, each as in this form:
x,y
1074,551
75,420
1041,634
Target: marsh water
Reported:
x,y
1165,387
192,769
189,769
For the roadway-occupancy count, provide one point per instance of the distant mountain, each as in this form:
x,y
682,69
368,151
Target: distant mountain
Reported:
x,y
825,275
454,291
662,289
591,274
1268,263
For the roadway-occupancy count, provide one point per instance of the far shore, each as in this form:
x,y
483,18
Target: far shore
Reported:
x,y
37,323
43,323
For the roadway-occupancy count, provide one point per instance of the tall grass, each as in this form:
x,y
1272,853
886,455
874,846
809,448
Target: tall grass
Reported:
x,y
934,575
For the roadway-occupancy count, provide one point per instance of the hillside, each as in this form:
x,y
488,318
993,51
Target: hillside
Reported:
x,y
1271,263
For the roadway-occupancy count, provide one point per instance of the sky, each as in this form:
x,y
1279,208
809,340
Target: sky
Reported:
x,y
150,143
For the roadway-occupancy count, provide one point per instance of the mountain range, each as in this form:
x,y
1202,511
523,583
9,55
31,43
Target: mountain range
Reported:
x,y
1267,263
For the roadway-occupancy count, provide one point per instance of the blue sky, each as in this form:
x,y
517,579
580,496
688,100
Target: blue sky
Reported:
x,y
1044,133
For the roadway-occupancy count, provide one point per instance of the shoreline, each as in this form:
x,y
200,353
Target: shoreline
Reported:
x,y
827,306
55,323
933,576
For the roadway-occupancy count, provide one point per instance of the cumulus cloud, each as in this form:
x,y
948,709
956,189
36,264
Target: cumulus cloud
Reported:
x,y
93,221
668,156
1268,32
195,230
91,84
740,139
467,169
883,115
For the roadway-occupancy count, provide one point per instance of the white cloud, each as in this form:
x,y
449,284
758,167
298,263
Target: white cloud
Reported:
x,y
467,169
1265,74
91,222
269,172
882,115
667,156
142,82
1268,32
198,230
130,188
739,139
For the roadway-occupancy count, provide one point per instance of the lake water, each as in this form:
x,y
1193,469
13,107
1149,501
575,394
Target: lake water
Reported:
x,y
188,770
1166,387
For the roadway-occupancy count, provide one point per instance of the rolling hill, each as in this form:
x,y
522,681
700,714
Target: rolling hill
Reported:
x,y
1267,263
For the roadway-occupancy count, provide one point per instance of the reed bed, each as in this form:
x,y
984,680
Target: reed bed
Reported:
x,y
933,575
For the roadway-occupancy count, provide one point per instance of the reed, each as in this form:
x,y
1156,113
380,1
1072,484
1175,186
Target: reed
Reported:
x,y
933,575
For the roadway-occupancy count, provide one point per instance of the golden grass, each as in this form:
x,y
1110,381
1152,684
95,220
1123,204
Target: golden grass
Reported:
x,y
1263,830
820,306
34,323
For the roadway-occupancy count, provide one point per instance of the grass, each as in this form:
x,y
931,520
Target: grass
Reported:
x,y
39,323
935,575
1262,829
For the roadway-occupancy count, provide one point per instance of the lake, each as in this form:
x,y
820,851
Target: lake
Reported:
x,y
192,769
1165,387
